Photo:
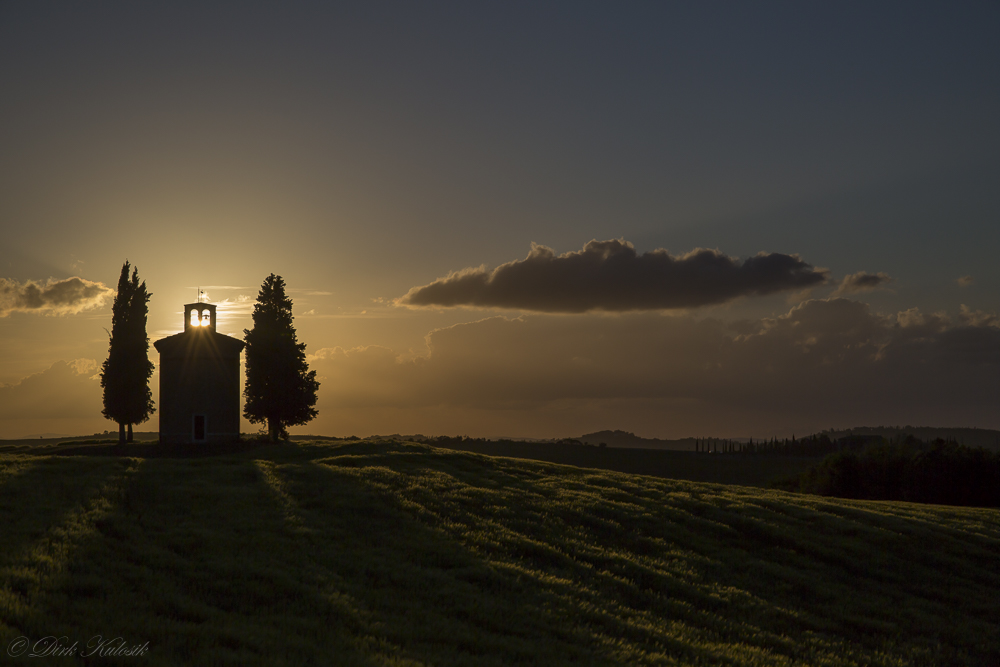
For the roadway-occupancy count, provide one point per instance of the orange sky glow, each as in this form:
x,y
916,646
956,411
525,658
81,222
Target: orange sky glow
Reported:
x,y
536,222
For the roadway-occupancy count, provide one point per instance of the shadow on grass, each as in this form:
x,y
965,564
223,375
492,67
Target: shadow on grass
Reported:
x,y
42,493
51,508
196,559
427,593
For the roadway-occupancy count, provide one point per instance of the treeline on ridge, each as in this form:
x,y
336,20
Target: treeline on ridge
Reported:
x,y
941,472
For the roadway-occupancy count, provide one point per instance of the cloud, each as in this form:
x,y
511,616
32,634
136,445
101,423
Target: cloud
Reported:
x,y
64,390
611,276
822,363
861,281
64,398
241,305
54,297
965,281
87,367
222,287
307,291
977,318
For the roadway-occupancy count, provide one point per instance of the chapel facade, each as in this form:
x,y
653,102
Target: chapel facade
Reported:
x,y
199,381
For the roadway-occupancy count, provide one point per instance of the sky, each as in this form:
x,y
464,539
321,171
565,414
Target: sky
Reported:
x,y
534,219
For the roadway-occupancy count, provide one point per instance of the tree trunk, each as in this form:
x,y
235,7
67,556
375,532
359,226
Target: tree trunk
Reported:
x,y
121,433
129,439
272,429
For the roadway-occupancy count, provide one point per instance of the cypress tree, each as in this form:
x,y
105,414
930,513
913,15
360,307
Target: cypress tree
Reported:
x,y
126,372
280,389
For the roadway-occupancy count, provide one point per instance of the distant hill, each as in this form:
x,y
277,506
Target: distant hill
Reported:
x,y
628,440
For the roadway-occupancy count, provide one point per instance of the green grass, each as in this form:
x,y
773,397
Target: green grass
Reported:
x,y
386,553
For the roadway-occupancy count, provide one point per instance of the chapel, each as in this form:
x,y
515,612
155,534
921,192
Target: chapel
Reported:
x,y
199,381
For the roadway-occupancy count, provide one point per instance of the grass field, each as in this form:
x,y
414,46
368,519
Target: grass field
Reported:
x,y
387,553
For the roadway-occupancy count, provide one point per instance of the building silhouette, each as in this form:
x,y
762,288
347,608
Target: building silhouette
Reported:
x,y
199,380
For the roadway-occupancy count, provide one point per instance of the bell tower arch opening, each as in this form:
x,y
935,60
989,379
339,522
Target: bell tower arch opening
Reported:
x,y
199,316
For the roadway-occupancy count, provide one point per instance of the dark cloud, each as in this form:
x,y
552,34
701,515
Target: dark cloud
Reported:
x,y
965,281
861,281
65,398
977,318
823,363
54,297
611,276
64,389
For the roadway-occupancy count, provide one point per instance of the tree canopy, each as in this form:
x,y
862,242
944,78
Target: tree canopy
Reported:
x,y
126,372
280,389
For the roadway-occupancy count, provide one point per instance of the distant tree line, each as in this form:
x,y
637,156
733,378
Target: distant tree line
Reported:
x,y
813,445
447,440
942,472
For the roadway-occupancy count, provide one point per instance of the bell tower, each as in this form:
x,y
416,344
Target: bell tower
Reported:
x,y
199,315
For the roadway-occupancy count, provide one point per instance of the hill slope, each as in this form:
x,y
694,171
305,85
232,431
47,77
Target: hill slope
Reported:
x,y
390,553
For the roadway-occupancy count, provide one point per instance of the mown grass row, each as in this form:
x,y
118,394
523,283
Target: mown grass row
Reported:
x,y
392,553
